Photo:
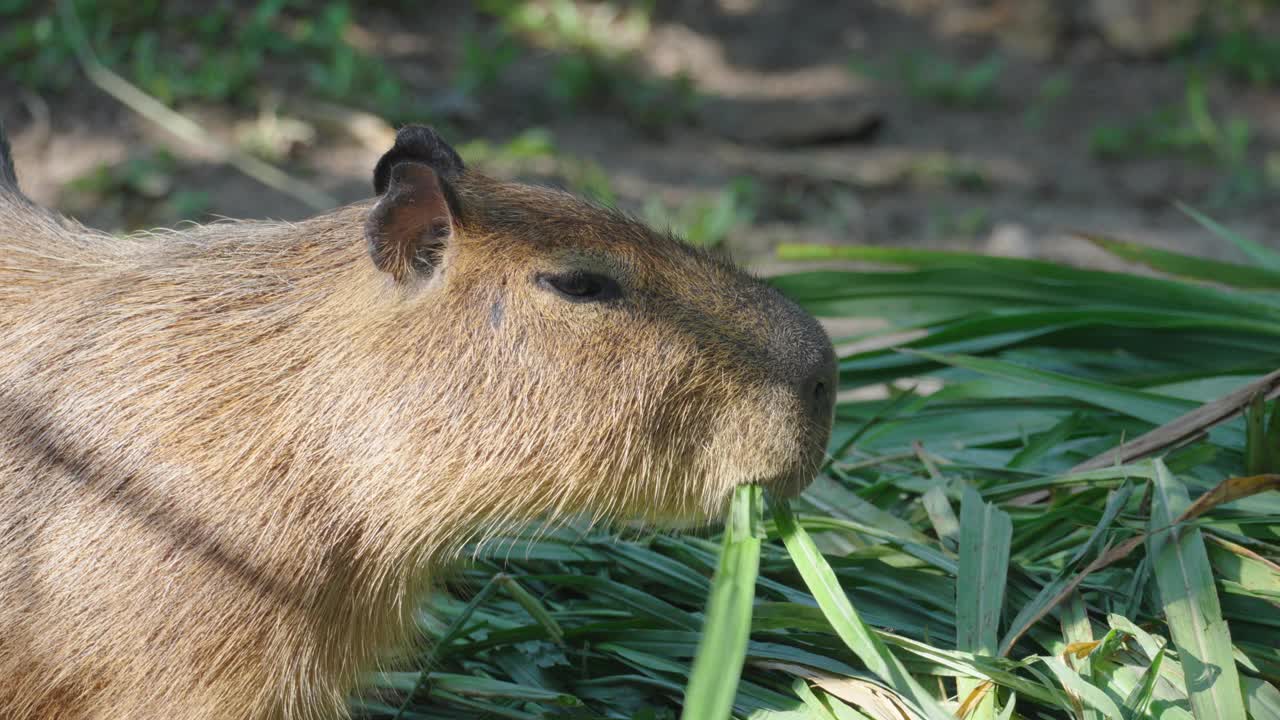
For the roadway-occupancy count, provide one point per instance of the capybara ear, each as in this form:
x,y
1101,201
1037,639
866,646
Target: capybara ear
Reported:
x,y
412,222
419,144
415,217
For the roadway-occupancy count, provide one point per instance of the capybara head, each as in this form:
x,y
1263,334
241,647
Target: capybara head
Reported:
x,y
571,353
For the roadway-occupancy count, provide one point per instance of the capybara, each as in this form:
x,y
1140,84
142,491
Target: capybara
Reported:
x,y
233,456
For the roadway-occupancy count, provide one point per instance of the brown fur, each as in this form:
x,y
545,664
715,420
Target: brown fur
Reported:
x,y
232,457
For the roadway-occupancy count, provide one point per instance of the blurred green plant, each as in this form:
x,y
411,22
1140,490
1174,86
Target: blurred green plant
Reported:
x,y
1051,92
178,53
603,27
939,80
952,84
139,190
650,104
1188,129
533,152
231,51
949,169
595,63
707,222
587,178
485,57
1193,131
1234,45
1247,55
967,223
532,144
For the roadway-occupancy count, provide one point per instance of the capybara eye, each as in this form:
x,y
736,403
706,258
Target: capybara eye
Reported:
x,y
580,286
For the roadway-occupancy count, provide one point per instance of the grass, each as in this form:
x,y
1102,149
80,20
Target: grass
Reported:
x,y
951,84
1049,96
942,81
707,222
1193,131
485,58
139,190
957,556
1236,48
180,55
722,649
594,60
1229,50
532,153
1246,55
967,222
1190,129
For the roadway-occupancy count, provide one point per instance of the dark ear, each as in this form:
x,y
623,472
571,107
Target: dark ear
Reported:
x,y
417,213
419,144
409,227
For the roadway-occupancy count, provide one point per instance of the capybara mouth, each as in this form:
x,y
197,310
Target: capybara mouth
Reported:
x,y
791,486
801,477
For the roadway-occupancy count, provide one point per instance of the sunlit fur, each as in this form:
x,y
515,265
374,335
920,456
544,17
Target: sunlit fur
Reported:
x,y
233,457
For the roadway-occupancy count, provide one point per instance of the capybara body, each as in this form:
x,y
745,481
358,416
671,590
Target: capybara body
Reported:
x,y
232,457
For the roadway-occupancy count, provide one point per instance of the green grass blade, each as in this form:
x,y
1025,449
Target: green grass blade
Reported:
x,y
821,581
1056,589
1264,699
1020,282
1083,689
1263,256
1190,266
1135,706
945,524
534,607
1150,407
722,650
1190,603
986,533
488,688
1009,706
813,704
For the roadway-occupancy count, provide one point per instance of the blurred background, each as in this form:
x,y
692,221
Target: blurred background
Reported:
x,y
1001,126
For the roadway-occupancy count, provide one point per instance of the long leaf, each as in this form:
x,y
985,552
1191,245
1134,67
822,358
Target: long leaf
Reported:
x,y
1082,688
822,582
985,536
1263,256
1188,266
1135,706
1150,407
1190,603
722,650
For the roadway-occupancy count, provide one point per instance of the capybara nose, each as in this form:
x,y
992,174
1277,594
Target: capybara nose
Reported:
x,y
817,389
801,357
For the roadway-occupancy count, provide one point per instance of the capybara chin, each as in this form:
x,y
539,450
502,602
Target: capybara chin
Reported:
x,y
232,457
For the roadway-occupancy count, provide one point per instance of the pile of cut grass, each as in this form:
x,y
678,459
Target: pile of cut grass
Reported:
x,y
978,551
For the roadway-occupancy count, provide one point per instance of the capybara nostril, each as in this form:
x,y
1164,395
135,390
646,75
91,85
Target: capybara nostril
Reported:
x,y
823,395
821,398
